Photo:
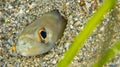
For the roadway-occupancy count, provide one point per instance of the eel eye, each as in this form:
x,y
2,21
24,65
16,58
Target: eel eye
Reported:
x,y
42,34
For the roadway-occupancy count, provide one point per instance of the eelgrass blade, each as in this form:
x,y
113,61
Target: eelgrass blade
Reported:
x,y
108,55
85,33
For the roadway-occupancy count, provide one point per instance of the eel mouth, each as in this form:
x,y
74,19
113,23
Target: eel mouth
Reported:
x,y
29,47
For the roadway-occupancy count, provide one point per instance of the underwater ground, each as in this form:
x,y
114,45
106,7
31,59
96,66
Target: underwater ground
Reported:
x,y
15,15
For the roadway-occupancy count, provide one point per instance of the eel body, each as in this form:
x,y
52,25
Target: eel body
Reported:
x,y
40,36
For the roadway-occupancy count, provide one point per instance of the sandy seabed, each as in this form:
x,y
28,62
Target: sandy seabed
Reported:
x,y
15,15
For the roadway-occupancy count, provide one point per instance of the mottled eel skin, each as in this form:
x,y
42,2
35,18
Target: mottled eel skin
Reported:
x,y
40,36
